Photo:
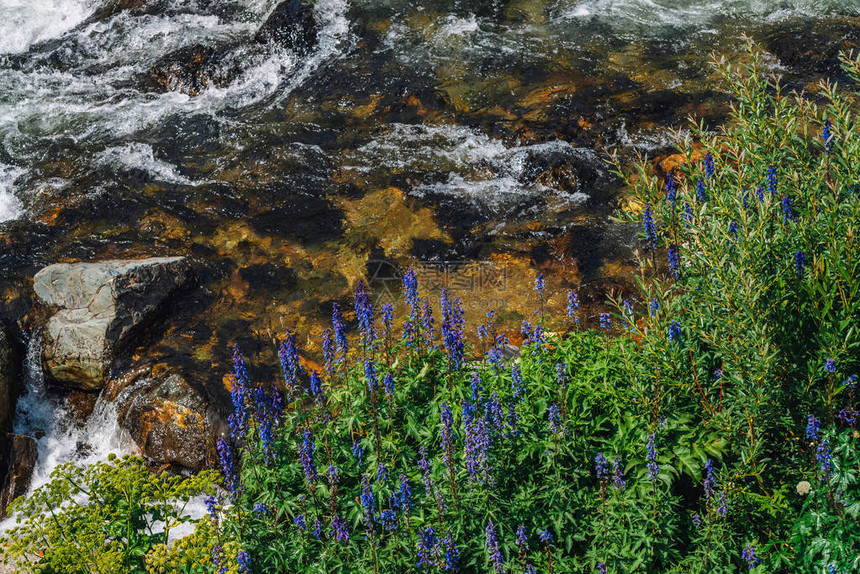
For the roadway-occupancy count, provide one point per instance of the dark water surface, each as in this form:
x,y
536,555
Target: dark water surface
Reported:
x,y
466,138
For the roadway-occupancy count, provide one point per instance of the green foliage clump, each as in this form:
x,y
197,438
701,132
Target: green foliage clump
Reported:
x,y
112,516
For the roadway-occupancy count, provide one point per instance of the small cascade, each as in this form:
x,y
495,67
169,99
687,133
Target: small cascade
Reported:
x,y
60,437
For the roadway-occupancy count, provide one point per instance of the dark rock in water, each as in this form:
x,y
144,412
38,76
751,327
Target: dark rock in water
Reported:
x,y
18,456
189,70
99,308
813,50
135,7
168,419
291,25
7,380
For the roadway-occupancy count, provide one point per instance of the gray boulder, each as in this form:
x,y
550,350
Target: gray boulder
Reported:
x,y
98,308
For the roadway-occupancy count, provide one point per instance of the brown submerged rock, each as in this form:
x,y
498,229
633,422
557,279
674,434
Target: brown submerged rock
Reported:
x,y
189,70
18,456
7,380
167,419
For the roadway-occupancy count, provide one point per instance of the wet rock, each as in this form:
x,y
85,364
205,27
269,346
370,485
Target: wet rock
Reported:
x,y
7,380
99,309
291,25
168,420
18,456
188,70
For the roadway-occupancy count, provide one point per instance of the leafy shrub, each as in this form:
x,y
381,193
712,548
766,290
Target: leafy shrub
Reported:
x,y
104,518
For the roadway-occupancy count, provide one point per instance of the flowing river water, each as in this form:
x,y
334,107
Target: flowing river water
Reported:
x,y
467,138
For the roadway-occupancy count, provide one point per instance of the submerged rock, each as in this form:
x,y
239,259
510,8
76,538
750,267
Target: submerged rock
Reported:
x,y
168,420
7,380
98,309
291,25
188,70
18,456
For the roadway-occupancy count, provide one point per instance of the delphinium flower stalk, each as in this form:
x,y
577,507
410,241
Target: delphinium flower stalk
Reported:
x,y
306,458
494,553
771,180
649,227
605,322
411,328
710,490
787,213
333,476
219,561
653,467
546,538
387,314
428,332
339,531
452,333
316,389
556,427
709,165
749,556
701,194
370,375
675,332
341,342
627,318
671,189
518,389
290,365
447,435
228,466
238,419
800,264
522,543
618,473
688,215
364,315
476,450
368,505
243,561
573,306
827,136
674,261
450,554
388,387
526,331
329,352
540,286
426,548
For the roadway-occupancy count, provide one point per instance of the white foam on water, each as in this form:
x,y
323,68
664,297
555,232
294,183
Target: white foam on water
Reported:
x,y
25,22
59,436
652,17
96,97
141,156
10,205
481,168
